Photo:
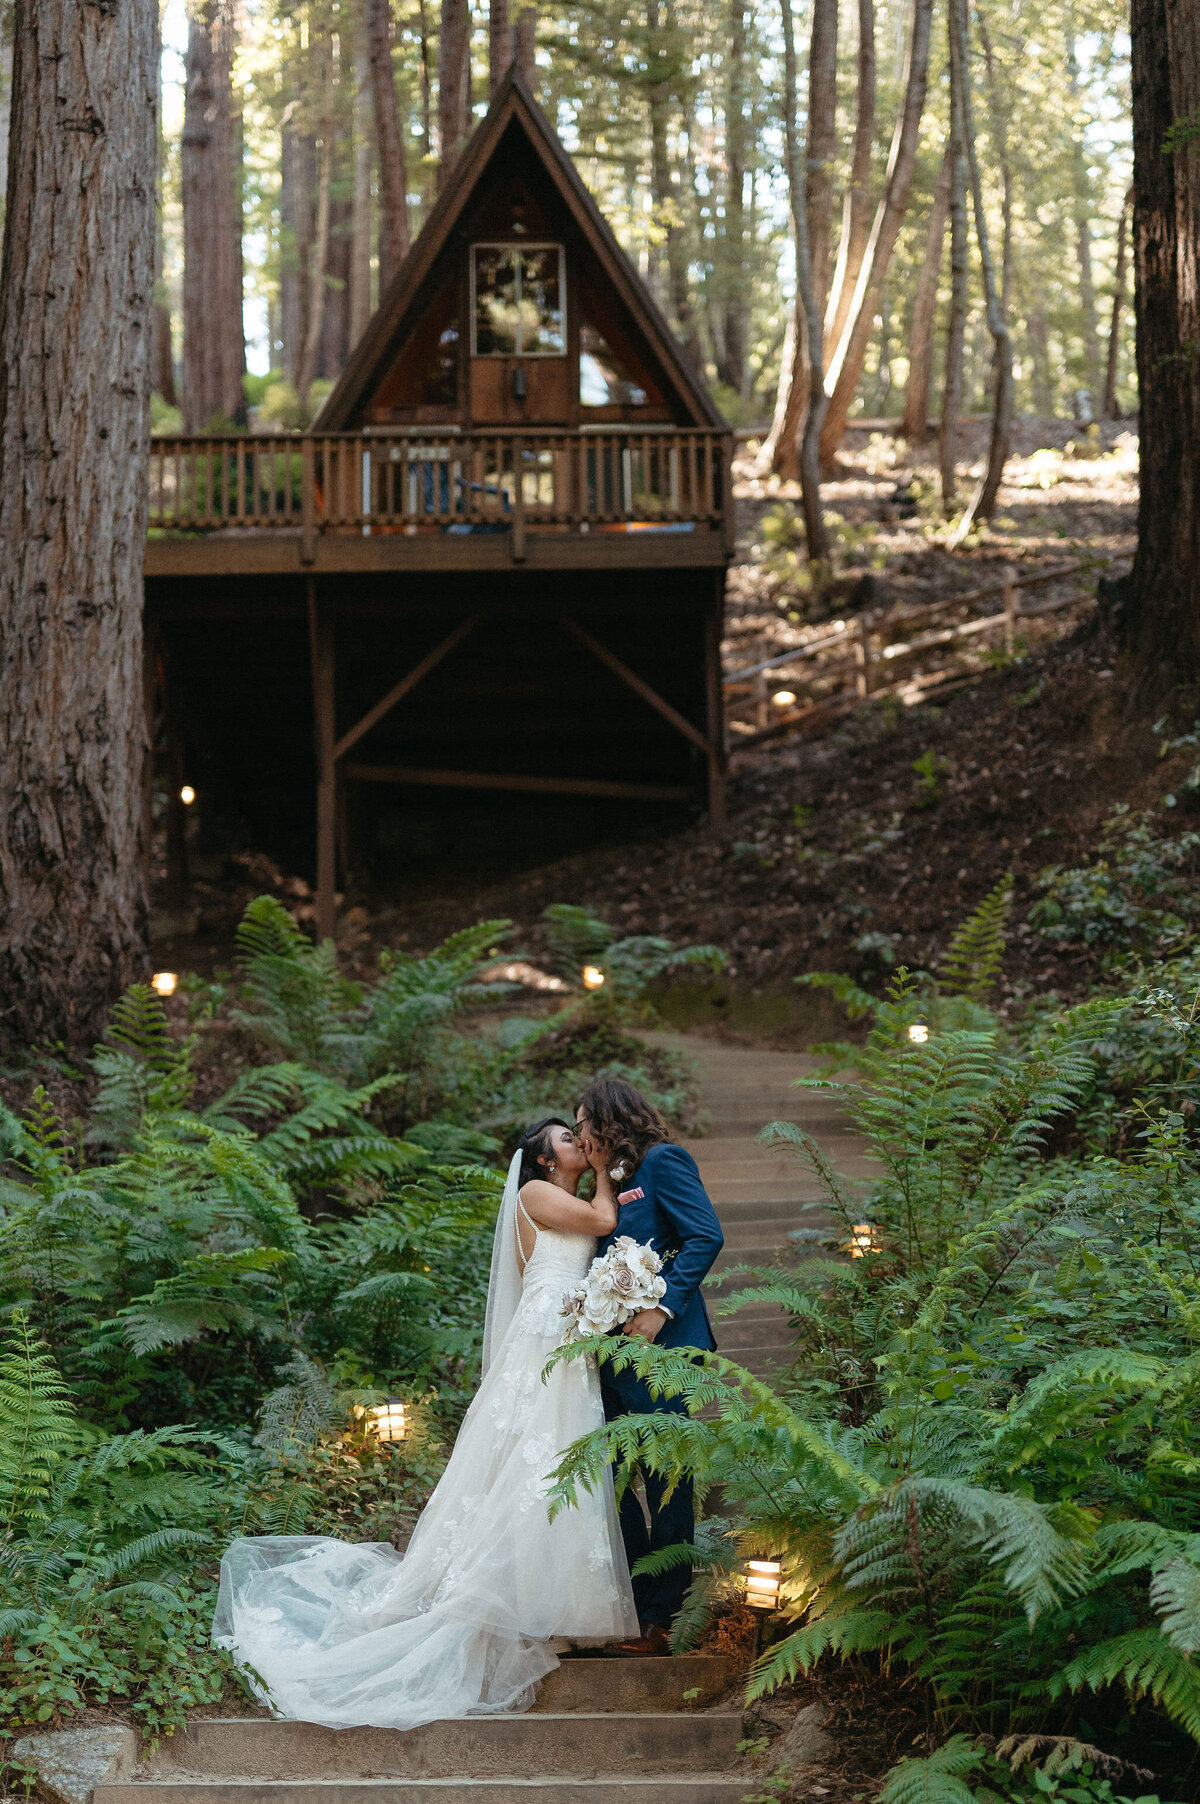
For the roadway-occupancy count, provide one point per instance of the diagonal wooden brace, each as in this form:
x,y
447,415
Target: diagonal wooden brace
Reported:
x,y
404,687
639,687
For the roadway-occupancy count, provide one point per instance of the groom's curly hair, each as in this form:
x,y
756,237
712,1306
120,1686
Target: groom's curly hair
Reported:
x,y
624,1123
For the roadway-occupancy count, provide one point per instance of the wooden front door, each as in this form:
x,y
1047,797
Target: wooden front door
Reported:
x,y
496,398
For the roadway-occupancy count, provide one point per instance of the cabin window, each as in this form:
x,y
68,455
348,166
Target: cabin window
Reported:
x,y
605,380
517,294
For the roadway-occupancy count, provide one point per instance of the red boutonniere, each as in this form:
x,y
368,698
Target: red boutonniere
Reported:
x,y
631,1196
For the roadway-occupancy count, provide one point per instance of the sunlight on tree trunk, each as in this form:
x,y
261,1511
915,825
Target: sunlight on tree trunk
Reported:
x,y
809,313
857,207
76,316
360,238
1112,410
846,364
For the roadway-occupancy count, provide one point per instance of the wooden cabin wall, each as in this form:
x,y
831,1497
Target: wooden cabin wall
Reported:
x,y
519,695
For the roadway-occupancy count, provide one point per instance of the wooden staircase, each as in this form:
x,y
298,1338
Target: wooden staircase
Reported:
x,y
610,1731
759,1193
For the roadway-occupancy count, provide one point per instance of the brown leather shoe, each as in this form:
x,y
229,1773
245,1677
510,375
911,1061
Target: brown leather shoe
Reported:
x,y
655,1641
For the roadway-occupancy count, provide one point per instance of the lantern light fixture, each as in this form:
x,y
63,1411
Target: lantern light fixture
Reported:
x,y
593,977
165,982
187,795
864,1239
762,1584
918,1033
387,1421
784,698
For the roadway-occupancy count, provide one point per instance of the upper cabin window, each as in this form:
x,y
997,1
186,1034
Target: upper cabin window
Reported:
x,y
517,300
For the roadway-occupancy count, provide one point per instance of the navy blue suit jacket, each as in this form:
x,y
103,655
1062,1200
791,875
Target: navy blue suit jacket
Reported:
x,y
675,1216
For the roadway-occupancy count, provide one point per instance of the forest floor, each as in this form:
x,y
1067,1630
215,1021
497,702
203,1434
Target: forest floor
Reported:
x,y
866,846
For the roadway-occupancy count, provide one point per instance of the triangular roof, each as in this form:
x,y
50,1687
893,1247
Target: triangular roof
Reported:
x,y
513,103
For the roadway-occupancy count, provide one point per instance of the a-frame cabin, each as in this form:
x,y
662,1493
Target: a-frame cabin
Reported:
x,y
495,564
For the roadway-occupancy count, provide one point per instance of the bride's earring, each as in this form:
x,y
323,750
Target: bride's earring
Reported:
x,y
552,1165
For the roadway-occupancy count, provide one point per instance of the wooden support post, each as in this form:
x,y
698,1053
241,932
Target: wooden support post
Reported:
x,y
321,641
518,524
177,862
1011,609
714,627
308,502
862,658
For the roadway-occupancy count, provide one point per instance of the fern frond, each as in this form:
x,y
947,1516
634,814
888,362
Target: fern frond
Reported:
x,y
971,962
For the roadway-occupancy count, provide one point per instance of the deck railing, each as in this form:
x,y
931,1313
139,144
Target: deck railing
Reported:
x,y
415,481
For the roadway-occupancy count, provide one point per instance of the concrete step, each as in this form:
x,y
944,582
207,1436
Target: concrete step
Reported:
x,y
588,1746
549,1788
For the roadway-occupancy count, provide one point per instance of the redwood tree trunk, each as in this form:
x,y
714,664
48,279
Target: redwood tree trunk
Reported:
x,y
735,298
454,85
846,363
389,139
856,209
956,322
76,309
214,349
525,44
915,424
808,311
1161,620
360,237
500,43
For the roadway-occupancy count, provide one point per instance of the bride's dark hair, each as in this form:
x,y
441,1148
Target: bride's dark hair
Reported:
x,y
534,1145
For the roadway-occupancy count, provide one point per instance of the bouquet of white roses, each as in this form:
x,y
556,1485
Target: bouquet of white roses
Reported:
x,y
618,1285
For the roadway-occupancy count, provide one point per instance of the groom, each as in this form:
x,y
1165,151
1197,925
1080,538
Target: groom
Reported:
x,y
661,1201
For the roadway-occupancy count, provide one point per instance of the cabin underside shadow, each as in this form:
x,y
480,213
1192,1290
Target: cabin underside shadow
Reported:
x,y
378,726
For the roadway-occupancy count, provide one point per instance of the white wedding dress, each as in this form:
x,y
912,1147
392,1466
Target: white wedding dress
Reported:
x,y
459,1625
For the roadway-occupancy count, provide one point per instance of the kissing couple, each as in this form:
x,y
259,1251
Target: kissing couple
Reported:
x,y
465,1622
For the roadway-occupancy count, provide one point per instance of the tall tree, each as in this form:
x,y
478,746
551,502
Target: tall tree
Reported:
x,y
214,349
956,320
809,311
846,362
1112,410
856,207
389,140
915,424
983,502
162,361
76,304
735,298
454,85
781,451
314,324
525,44
500,43
296,157
360,240
1161,617
1081,207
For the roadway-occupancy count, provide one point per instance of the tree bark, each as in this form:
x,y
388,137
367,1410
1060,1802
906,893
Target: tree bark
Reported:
x,y
360,233
162,360
915,424
214,350
846,365
76,316
389,139
316,272
454,76
295,231
856,208
525,45
809,314
1161,617
426,80
500,44
1120,276
956,322
983,502
998,132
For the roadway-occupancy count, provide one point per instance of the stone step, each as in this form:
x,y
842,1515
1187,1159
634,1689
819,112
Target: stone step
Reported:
x,y
764,1331
588,1746
549,1788
618,1685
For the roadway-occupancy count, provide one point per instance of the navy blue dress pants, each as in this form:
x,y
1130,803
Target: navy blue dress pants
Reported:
x,y
671,1519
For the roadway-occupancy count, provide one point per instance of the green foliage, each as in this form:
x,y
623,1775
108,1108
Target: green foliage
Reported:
x,y
972,961
1138,895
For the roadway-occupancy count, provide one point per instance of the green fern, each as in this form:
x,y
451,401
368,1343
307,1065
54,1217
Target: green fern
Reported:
x,y
972,961
939,1778
37,1422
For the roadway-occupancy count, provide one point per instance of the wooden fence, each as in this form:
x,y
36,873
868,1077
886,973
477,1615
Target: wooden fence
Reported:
x,y
856,661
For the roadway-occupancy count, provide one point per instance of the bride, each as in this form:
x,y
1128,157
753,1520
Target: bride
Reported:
x,y
461,1624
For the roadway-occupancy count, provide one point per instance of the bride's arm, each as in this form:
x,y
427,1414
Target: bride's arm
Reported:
x,y
551,1207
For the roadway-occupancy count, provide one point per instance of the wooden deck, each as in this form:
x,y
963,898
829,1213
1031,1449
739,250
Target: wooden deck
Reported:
x,y
439,499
